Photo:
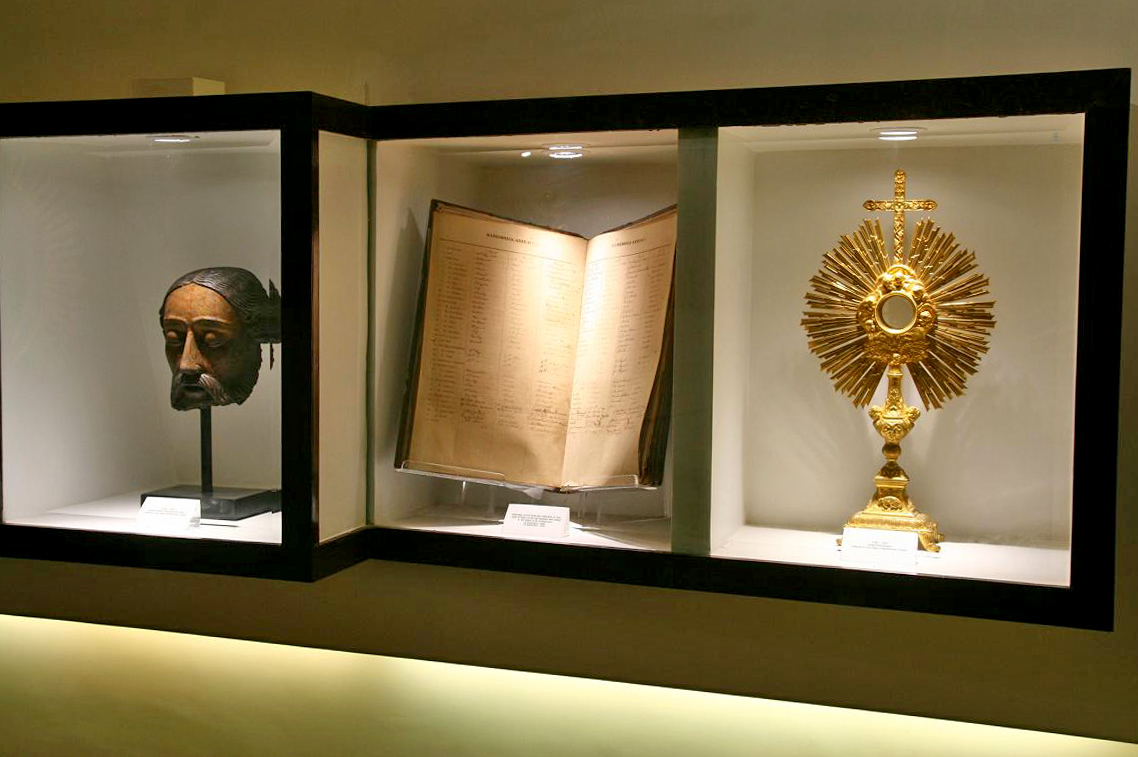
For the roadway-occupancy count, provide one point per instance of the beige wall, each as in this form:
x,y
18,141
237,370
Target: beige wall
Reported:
x,y
1044,678
439,50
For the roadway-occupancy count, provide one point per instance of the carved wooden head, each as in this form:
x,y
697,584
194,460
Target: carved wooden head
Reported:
x,y
214,321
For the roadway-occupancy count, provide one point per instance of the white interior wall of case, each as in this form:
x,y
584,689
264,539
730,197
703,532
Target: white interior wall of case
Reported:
x,y
580,196
734,234
407,178
342,308
92,232
992,466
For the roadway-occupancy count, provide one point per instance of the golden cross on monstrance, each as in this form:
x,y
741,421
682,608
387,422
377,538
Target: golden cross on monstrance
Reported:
x,y
899,205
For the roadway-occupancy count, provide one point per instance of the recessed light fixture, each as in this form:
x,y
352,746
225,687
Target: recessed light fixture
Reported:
x,y
898,133
527,153
564,148
172,139
565,154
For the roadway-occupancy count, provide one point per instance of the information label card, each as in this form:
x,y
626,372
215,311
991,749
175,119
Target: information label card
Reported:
x,y
170,516
876,548
536,521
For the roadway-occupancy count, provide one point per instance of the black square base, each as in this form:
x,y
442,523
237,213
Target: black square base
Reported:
x,y
225,503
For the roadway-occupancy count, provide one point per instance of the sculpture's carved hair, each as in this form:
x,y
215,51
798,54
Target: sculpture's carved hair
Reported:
x,y
260,311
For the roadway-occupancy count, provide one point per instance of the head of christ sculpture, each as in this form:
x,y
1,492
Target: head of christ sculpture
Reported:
x,y
214,321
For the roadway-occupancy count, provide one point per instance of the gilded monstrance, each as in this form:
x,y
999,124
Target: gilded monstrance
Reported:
x,y
870,312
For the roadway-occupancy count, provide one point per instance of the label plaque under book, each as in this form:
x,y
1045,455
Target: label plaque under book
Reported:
x,y
540,521
871,547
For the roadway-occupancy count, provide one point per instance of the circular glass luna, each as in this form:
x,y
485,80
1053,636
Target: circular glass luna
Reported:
x,y
896,313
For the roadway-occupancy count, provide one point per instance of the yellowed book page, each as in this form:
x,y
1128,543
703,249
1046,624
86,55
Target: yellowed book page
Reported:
x,y
499,338
627,281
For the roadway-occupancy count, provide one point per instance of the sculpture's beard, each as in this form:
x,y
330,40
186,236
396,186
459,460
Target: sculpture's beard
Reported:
x,y
190,390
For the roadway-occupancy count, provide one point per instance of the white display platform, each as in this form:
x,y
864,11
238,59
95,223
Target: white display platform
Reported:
x,y
118,514
990,562
651,534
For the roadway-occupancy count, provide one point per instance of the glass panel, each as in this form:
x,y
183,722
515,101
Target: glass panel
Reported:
x,y
993,467
104,375
561,187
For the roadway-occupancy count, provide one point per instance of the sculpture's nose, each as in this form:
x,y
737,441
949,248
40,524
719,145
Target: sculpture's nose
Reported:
x,y
191,360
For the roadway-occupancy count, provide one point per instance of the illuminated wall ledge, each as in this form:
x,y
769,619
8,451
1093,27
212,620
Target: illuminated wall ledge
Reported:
x,y
74,688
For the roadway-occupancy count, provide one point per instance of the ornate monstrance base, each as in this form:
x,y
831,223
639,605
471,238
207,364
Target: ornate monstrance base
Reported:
x,y
890,508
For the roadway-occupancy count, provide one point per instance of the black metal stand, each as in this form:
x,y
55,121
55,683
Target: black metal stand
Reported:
x,y
207,449
225,503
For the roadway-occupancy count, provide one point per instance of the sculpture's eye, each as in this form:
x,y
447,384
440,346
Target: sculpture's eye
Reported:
x,y
174,337
213,339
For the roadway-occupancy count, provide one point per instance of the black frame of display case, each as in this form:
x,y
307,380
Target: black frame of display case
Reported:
x,y
299,117
1102,96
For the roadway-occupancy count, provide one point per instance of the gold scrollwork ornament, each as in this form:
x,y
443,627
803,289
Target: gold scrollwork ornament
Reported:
x,y
870,312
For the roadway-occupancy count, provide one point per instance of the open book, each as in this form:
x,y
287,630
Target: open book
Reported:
x,y
541,358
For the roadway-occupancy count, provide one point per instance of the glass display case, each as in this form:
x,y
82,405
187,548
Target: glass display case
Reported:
x,y
645,338
162,269
582,184
994,466
767,463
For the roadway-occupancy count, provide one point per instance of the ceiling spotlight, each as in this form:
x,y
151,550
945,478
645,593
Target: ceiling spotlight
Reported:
x,y
565,154
564,148
898,133
527,153
172,139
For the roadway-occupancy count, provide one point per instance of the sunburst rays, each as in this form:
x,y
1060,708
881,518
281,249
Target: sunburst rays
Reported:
x,y
850,273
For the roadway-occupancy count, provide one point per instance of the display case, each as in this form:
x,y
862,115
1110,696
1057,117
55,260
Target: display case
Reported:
x,y
616,177
183,332
733,250
994,466
767,462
